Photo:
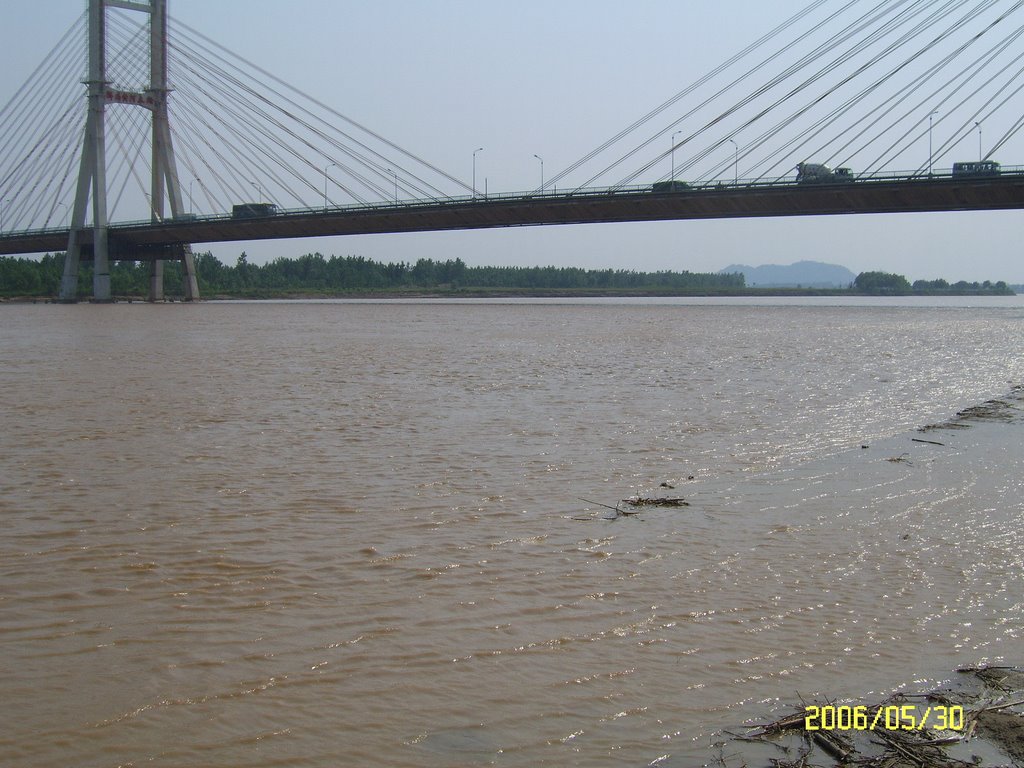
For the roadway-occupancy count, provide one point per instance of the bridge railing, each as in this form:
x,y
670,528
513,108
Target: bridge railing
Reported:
x,y
526,197
562,194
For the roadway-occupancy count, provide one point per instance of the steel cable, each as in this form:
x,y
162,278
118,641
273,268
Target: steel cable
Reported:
x,y
759,43
867,21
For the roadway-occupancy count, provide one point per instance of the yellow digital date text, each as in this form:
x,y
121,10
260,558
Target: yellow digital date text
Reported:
x,y
893,717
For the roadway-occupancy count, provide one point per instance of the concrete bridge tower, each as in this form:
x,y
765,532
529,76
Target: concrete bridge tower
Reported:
x,y
165,186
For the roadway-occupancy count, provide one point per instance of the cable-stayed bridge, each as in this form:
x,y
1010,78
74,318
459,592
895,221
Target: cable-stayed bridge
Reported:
x,y
170,127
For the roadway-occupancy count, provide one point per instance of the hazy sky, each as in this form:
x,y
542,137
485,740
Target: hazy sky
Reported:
x,y
540,77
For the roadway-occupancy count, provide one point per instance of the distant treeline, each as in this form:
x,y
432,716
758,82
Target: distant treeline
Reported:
x,y
889,284
341,275
313,274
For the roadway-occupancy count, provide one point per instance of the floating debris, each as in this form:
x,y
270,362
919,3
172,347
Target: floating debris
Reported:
x,y
901,459
635,502
640,501
619,512
998,410
944,425
990,410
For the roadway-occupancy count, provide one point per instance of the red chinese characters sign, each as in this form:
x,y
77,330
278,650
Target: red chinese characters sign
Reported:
x,y
129,97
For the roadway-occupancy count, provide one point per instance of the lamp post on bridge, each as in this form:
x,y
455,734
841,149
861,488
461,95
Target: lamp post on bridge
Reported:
x,y
672,152
190,206
541,173
736,164
478,149
259,188
980,156
930,116
326,169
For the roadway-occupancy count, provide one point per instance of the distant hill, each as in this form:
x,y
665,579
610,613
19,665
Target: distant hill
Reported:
x,y
806,274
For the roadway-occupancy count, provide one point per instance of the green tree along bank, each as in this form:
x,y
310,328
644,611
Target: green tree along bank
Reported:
x,y
882,283
888,284
314,274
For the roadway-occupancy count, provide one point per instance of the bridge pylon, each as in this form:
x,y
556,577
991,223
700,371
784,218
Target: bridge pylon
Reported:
x,y
165,185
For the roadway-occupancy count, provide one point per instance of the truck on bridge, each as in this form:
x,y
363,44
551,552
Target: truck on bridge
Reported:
x,y
978,168
253,210
816,173
670,186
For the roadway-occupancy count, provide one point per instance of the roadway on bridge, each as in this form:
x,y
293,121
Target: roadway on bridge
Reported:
x,y
145,240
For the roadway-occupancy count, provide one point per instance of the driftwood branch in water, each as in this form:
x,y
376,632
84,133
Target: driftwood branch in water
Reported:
x,y
598,503
636,501
618,512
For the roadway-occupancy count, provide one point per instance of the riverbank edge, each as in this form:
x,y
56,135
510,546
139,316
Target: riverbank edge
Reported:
x,y
991,697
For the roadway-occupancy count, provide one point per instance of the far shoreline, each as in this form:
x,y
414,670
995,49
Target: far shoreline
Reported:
x,y
525,293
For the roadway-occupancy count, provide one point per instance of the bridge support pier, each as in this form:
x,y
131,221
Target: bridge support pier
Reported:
x,y
189,286
188,275
156,280
92,171
69,280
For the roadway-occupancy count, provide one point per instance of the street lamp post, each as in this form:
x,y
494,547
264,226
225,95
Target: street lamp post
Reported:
x,y
930,116
980,157
259,188
735,164
395,176
672,141
3,202
541,173
190,207
478,149
326,169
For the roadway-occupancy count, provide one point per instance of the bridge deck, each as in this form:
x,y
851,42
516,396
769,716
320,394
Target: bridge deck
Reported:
x,y
145,240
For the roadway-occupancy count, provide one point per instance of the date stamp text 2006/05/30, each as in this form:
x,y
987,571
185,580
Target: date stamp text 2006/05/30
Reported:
x,y
906,717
